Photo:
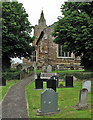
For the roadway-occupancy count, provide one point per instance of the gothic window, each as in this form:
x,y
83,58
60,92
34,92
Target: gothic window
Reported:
x,y
62,53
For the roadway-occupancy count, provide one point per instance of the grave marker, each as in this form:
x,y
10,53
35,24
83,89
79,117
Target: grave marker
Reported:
x,y
82,99
38,84
69,81
49,102
57,80
87,85
51,84
49,68
2,81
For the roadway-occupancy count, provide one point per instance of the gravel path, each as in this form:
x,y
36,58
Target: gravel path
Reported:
x,y
14,104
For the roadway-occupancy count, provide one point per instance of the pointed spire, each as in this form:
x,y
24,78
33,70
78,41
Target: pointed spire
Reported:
x,y
42,20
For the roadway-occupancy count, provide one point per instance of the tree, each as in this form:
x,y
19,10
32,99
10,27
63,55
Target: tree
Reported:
x,y
16,30
75,30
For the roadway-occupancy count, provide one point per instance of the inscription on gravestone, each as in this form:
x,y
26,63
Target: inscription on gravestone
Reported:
x,y
82,99
87,85
49,102
38,84
51,84
69,81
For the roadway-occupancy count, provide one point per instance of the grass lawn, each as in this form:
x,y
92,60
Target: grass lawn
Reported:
x,y
4,89
67,99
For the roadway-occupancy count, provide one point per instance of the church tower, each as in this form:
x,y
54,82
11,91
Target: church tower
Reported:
x,y
38,28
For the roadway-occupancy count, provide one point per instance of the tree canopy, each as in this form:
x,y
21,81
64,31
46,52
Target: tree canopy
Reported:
x,y
75,30
16,32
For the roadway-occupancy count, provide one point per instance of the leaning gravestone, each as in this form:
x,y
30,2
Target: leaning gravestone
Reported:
x,y
51,84
82,99
69,81
38,84
57,80
49,68
87,85
49,102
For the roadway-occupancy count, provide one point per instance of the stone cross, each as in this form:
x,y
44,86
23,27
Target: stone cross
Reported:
x,y
49,102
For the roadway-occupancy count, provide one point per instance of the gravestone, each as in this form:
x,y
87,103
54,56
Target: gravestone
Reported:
x,y
49,68
2,81
49,102
43,69
87,85
38,84
61,67
51,84
82,99
57,80
69,81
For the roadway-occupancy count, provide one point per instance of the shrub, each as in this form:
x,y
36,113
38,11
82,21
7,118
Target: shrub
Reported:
x,y
79,75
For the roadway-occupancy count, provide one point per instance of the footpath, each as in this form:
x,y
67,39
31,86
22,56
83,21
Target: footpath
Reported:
x,y
14,104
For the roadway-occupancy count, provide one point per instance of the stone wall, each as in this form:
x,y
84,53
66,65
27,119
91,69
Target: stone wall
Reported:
x,y
47,51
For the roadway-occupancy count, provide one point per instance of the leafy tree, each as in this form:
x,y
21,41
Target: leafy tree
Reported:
x,y
75,30
16,30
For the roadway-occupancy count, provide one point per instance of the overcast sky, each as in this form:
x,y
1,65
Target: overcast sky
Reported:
x,y
51,9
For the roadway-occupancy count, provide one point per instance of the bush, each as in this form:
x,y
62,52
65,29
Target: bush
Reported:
x,y
79,75
11,75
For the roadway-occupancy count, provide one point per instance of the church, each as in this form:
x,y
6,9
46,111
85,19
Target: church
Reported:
x,y
47,52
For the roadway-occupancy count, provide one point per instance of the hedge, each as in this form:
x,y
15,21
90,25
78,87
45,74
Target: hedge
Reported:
x,y
79,75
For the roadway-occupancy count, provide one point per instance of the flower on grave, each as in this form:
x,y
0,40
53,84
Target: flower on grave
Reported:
x,y
60,84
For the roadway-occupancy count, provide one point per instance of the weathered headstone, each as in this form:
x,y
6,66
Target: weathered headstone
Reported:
x,y
38,84
2,81
61,67
57,80
43,69
87,85
82,99
49,102
49,68
51,84
69,81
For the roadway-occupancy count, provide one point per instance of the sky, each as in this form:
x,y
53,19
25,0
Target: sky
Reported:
x,y
51,9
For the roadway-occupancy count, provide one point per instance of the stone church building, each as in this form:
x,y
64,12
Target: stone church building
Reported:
x,y
49,53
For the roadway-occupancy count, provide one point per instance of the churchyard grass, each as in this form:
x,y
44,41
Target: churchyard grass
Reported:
x,y
67,99
4,89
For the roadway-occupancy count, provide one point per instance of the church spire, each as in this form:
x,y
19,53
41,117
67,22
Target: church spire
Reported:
x,y
42,20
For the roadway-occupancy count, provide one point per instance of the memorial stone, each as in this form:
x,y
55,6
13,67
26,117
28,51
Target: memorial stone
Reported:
x,y
69,81
49,102
51,84
82,99
43,68
2,81
57,80
87,85
49,68
38,84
